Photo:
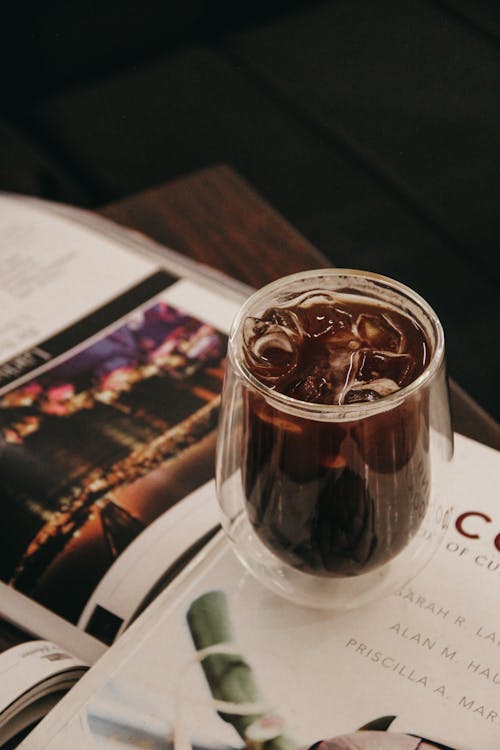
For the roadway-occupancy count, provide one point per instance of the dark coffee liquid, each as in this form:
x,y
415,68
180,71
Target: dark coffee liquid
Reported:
x,y
335,498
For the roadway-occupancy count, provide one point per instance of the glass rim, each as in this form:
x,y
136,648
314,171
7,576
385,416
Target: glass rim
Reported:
x,y
340,412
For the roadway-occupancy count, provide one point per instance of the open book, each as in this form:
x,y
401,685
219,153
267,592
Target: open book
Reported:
x,y
110,534
111,363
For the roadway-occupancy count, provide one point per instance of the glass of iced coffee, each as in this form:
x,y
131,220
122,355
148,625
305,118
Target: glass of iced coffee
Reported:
x,y
334,437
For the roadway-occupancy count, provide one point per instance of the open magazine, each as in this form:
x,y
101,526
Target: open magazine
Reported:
x,y
111,363
108,408
217,661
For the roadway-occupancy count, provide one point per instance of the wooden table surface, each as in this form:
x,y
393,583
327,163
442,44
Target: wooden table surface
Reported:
x,y
215,217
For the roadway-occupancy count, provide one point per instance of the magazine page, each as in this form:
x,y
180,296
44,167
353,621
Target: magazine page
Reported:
x,y
110,382
220,662
40,622
33,676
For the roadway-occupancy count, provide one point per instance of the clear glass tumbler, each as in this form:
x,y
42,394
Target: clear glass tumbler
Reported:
x,y
333,506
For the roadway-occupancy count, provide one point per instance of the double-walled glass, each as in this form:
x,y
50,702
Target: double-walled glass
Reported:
x,y
334,505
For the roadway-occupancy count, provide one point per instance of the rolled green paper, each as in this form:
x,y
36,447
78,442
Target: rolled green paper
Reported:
x,y
229,676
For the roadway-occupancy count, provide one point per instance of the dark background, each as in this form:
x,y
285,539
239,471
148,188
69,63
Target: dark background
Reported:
x,y
374,127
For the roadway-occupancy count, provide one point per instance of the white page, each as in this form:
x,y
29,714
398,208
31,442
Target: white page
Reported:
x,y
38,620
53,272
24,666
